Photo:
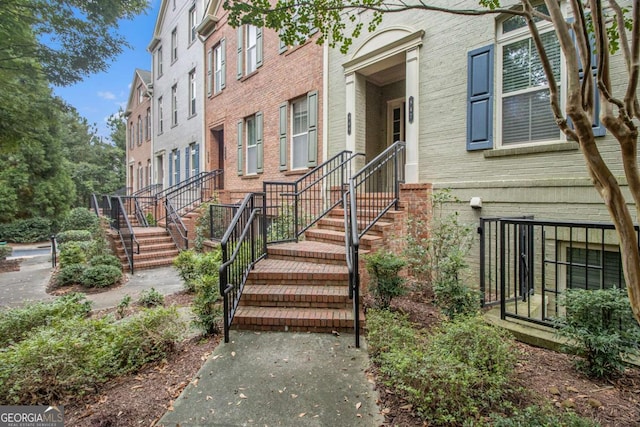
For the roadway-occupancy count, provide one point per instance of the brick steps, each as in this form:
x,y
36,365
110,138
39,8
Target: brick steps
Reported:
x,y
296,296
288,272
337,224
367,241
309,251
293,319
157,249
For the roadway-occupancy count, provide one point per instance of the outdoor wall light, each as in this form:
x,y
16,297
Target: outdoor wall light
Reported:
x,y
476,203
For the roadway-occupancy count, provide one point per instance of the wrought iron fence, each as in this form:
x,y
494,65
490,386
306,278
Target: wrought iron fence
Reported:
x,y
526,264
190,193
120,223
294,207
220,216
373,191
175,226
243,244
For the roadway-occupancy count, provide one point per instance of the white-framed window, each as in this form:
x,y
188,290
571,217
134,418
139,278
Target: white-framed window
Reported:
x,y
209,72
160,115
192,93
193,160
251,49
299,133
139,133
147,124
174,105
148,172
524,110
219,65
593,268
252,145
140,176
159,62
174,44
140,91
192,24
132,135
175,167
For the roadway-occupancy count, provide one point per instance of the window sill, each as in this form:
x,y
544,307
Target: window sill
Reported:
x,y
296,172
192,116
532,149
249,177
248,76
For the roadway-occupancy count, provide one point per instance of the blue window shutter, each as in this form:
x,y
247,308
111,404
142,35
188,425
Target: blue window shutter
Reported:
x,y
239,136
596,125
177,166
282,131
258,47
187,166
480,99
196,157
240,70
259,144
312,152
170,168
223,63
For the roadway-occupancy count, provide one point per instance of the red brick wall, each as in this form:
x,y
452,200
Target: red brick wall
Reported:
x,y
139,154
281,78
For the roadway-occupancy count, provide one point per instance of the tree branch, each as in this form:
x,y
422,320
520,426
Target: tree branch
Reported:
x,y
632,58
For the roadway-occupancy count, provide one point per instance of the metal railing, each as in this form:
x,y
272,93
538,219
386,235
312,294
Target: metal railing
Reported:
x,y
293,207
220,216
148,191
175,226
243,244
373,191
526,264
190,193
134,208
120,223
101,204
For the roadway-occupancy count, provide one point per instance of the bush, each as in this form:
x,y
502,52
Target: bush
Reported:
x,y
387,330
187,265
17,323
75,355
70,274
29,230
536,416
80,219
101,276
72,253
460,373
5,251
385,282
106,260
601,329
151,298
74,236
455,298
206,305
282,227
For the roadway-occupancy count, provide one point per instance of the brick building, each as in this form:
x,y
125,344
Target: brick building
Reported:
x,y
139,135
263,104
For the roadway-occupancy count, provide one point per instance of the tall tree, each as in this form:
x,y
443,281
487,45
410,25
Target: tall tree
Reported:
x,y
612,27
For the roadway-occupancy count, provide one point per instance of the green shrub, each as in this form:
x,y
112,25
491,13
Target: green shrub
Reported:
x,y
17,323
387,330
5,251
106,260
70,274
72,253
151,219
101,276
460,373
74,236
385,282
455,298
535,416
151,298
84,246
80,219
282,227
601,330
187,265
206,305
29,230
76,355
123,305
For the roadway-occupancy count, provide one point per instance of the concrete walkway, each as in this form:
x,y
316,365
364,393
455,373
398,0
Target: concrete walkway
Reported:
x,y
280,379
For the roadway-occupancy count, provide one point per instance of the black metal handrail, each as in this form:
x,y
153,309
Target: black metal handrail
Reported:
x,y
296,206
101,204
243,244
373,191
175,226
134,208
148,191
120,223
189,194
95,206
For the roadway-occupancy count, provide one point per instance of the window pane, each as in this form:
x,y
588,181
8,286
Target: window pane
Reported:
x,y
252,159
528,117
300,151
521,66
593,274
300,117
515,22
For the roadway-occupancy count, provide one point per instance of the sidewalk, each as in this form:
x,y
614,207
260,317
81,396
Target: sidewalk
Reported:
x,y
280,379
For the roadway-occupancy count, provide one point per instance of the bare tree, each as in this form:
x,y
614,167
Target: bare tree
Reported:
x,y
595,30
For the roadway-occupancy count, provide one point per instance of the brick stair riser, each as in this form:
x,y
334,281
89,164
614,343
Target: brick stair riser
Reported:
x,y
290,281
311,324
306,258
389,216
155,247
148,264
377,229
367,243
155,255
301,297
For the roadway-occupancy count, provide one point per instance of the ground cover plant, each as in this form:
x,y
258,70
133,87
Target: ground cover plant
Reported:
x,y
70,354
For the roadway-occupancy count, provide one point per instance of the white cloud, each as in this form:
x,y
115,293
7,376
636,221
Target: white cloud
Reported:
x,y
106,95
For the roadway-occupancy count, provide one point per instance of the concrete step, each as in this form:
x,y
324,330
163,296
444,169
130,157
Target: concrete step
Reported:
x,y
296,296
294,319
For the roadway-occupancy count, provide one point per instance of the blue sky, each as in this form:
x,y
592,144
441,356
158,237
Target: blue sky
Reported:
x,y
100,95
